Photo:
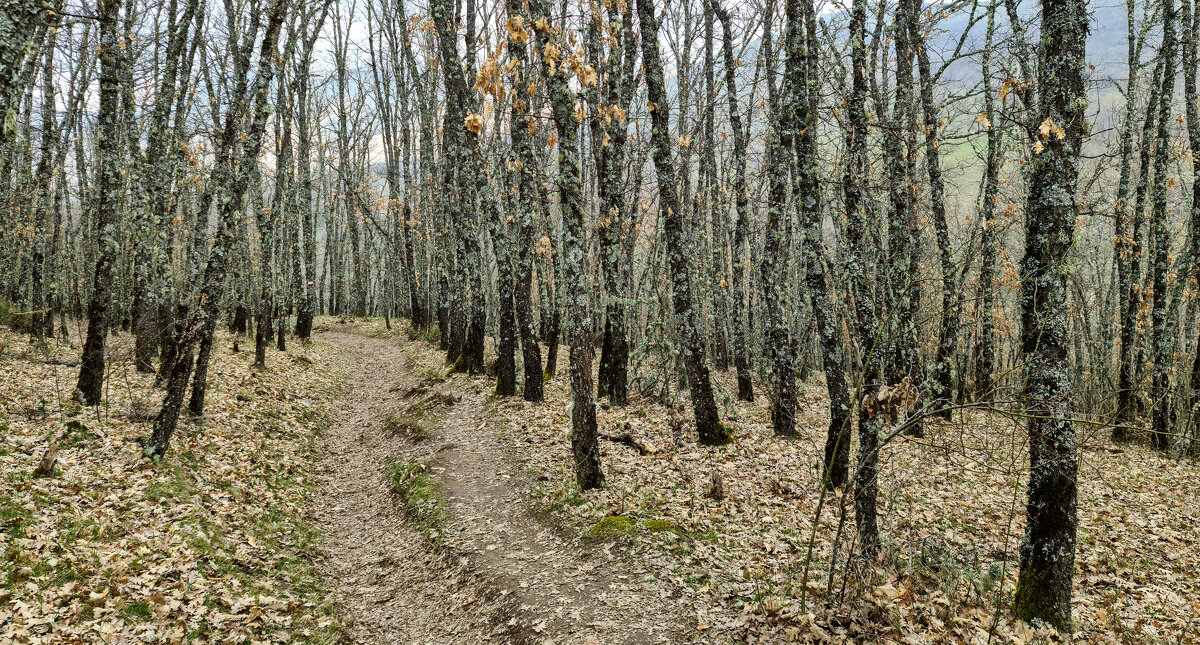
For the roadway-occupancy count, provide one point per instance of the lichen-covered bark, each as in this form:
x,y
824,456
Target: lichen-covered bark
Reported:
x,y
585,443
304,182
802,84
944,379
1047,553
523,201
19,20
900,151
778,345
1128,405
741,360
44,197
91,369
858,271
704,405
985,349
1191,30
609,135
1123,243
1163,336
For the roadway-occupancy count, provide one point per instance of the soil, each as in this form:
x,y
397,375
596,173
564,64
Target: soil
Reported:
x,y
494,571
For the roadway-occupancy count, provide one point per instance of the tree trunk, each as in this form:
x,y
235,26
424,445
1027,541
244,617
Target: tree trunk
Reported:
x,y
1163,338
704,405
944,379
778,343
585,445
91,370
741,200
1047,554
985,348
858,270
903,287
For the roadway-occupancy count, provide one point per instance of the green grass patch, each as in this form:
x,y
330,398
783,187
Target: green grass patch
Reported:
x,y
76,432
137,611
424,499
410,425
178,485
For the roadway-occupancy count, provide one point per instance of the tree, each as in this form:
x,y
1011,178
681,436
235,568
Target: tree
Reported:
x,y
779,345
741,201
108,169
233,182
858,269
1163,339
524,200
985,351
704,405
1047,554
900,153
609,136
802,80
585,443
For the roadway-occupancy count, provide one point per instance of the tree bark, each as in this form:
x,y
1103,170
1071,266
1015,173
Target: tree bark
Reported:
x,y
1163,337
585,443
741,360
1047,553
858,270
704,405
91,370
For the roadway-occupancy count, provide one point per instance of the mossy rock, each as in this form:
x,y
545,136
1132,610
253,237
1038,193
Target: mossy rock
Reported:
x,y
613,526
659,526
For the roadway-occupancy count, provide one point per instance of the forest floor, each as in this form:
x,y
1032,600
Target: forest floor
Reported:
x,y
355,491
472,563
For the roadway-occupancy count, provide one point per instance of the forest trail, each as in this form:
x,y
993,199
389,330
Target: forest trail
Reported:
x,y
501,575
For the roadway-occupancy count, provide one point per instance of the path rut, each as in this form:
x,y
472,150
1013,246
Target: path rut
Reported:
x,y
500,575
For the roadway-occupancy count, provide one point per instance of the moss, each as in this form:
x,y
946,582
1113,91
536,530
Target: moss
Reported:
x,y
721,437
613,526
460,364
659,526
76,432
1034,602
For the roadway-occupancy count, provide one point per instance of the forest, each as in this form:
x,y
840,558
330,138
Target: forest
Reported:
x,y
877,321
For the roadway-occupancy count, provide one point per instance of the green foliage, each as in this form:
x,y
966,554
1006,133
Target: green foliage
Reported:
x,y
178,485
137,611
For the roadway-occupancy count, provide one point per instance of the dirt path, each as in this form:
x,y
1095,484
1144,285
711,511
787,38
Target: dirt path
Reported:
x,y
501,575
